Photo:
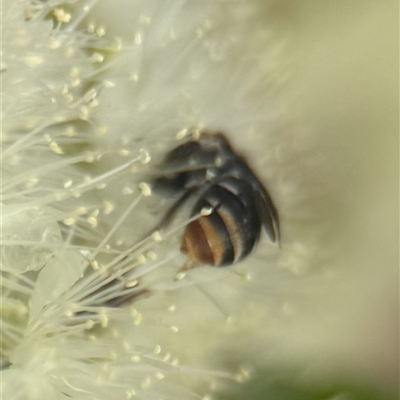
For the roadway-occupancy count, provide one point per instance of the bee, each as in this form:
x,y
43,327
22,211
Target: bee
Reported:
x,y
229,208
230,203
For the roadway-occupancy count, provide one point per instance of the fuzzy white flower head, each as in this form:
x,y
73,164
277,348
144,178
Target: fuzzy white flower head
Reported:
x,y
92,308
83,115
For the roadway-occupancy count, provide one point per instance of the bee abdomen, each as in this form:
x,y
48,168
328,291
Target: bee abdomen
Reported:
x,y
228,234
207,241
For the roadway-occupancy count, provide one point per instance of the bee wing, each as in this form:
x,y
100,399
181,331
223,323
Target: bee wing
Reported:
x,y
269,215
263,202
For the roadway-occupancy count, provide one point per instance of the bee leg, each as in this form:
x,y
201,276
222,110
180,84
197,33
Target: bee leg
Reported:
x,y
213,300
170,213
169,186
123,300
189,264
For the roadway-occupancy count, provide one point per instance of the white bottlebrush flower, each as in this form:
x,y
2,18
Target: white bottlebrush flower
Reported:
x,y
83,115
93,95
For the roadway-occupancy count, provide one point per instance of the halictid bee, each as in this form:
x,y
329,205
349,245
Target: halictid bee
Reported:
x,y
231,203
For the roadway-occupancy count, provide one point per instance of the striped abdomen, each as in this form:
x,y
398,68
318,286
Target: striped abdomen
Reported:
x,y
230,231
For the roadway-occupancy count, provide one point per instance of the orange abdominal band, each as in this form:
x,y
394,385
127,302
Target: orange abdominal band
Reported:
x,y
202,243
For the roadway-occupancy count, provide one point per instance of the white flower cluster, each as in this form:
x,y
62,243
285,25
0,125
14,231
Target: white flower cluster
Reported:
x,y
83,113
93,95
